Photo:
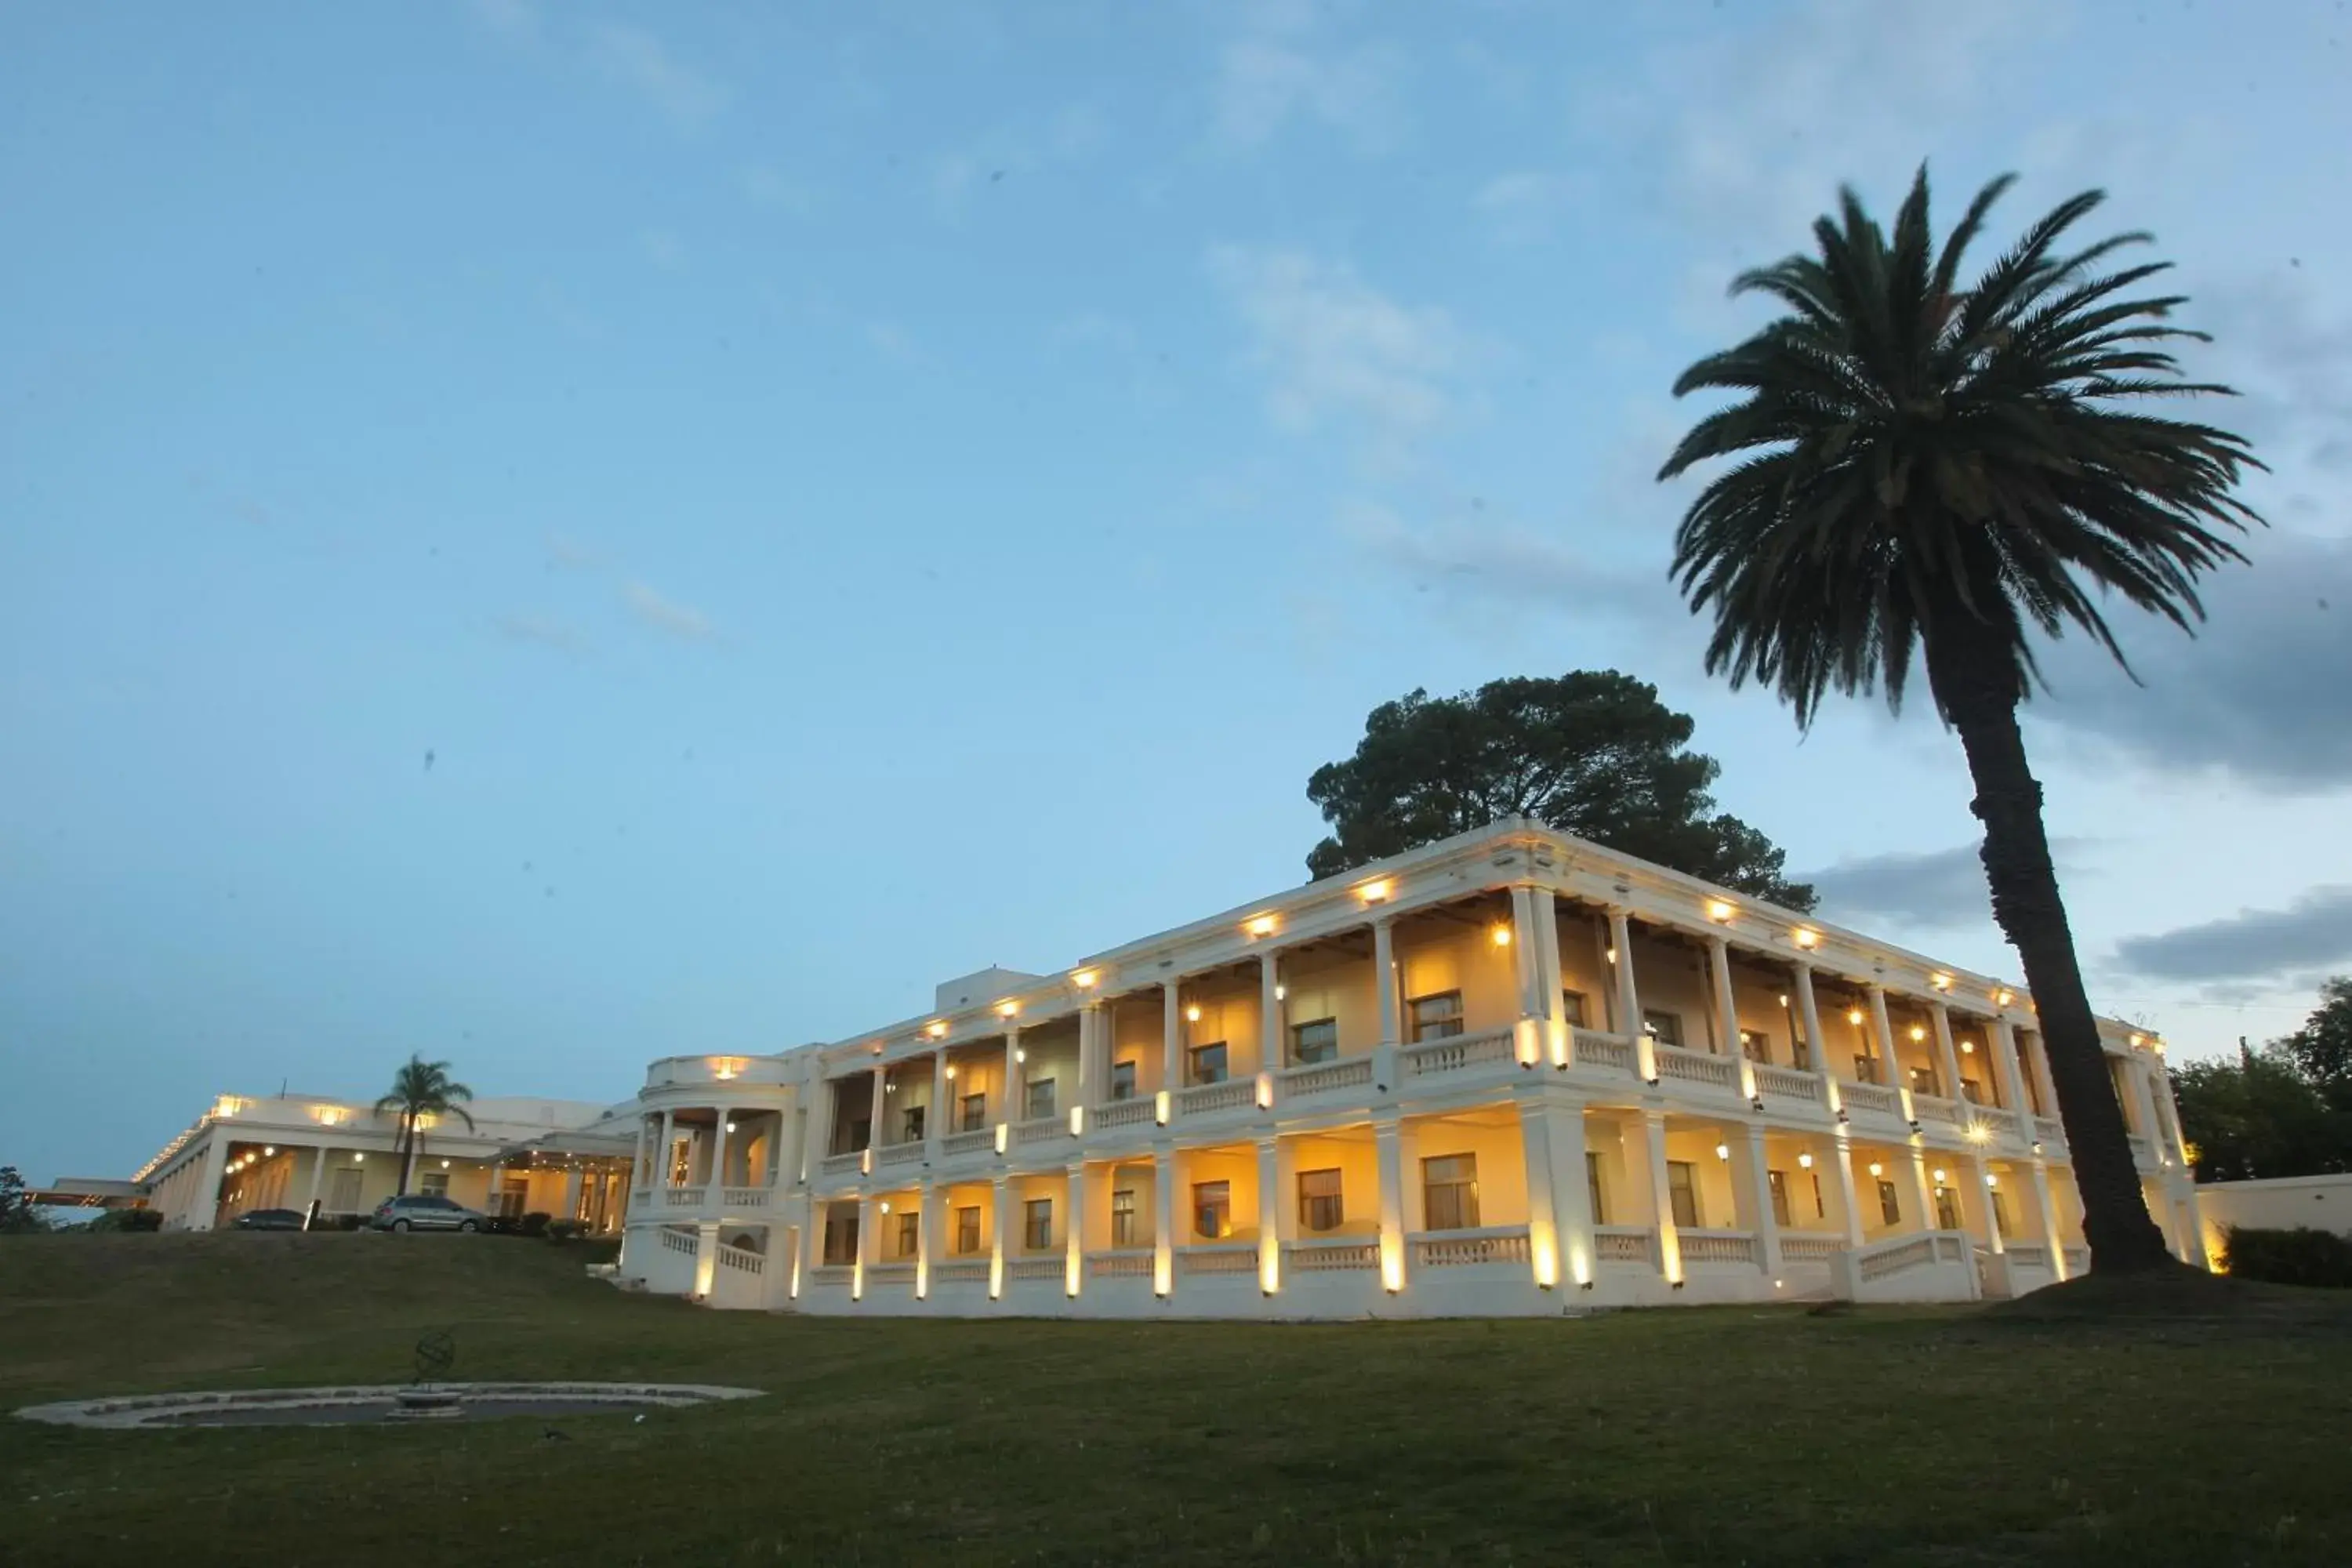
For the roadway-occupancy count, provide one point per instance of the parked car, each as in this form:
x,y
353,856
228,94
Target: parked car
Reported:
x,y
423,1211
268,1219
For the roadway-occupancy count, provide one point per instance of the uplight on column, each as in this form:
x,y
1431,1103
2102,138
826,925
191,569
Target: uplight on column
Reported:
x,y
1160,1107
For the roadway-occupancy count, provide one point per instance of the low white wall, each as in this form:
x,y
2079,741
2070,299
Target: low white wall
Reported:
x,y
2282,1203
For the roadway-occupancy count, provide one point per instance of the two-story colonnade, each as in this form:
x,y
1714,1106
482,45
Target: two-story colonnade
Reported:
x,y
1511,1072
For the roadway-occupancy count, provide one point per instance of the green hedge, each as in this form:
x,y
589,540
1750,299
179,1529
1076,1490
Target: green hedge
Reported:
x,y
2296,1257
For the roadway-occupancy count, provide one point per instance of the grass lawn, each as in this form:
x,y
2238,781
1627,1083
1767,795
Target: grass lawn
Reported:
x,y
1695,1436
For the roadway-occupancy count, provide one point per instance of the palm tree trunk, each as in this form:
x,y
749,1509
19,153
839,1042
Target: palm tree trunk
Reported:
x,y
403,1146
2026,904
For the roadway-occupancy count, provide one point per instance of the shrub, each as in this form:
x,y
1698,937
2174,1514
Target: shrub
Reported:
x,y
534,1224
562,1229
2298,1257
127,1220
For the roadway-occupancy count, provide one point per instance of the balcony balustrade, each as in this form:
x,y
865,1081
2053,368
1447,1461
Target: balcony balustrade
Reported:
x,y
1488,1048
1468,1249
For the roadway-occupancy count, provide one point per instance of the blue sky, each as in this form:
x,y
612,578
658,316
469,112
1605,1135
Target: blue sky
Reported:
x,y
843,500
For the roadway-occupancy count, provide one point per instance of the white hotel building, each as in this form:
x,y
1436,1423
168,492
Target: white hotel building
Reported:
x,y
1511,1072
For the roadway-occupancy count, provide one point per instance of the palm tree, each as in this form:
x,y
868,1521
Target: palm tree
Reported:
x,y
1956,468
421,1088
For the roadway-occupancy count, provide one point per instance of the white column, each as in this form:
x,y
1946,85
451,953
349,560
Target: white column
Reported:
x,y
1817,1048
878,1113
937,1123
1082,1098
1016,1077
1271,1056
931,1206
1629,1001
1074,1229
1653,1125
1172,1035
2037,1056
1881,1045
1758,1184
638,1177
1726,1007
1384,978
1002,1247
1948,1059
2167,1116
1559,1038
719,1116
1842,1153
1560,1204
571,1193
1388,1142
1163,1220
1973,1169
1527,1030
869,1245
2047,1206
1269,1213
2143,1100
1922,1194
2003,1045
662,1154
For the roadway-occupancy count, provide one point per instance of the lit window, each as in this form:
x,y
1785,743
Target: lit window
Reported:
x,y
1947,1209
1889,1210
433,1183
910,1124
1972,1091
975,1112
1593,1188
1923,1080
1779,1182
1664,1028
1213,1210
1999,1201
910,1233
1037,1225
840,1240
1122,1217
1041,1098
1681,1187
1122,1080
968,1229
1437,1017
1571,1005
1449,1192
1208,1063
1865,1068
1754,1045
1318,1200
1317,1040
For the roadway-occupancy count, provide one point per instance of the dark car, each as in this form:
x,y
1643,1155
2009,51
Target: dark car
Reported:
x,y
423,1211
269,1219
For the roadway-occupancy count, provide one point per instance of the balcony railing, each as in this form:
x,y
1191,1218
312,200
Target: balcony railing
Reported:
x,y
1204,1099
1613,1052
1124,1264
1880,1260
1809,1246
2027,1255
2049,1129
1036,1267
1321,1257
1459,1054
2143,1151
959,1271
1042,1130
1468,1249
747,1198
1122,1113
676,1240
1325,1077
1874,1097
684,1197
1218,1257
898,1271
971,1142
1625,1244
742,1259
1695,1067
847,1164
900,1154
1718,1247
1788,1083
1935,1111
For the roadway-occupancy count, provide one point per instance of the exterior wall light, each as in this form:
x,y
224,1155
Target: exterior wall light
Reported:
x,y
937,1029
2003,997
1613,955
1086,979
359,1159
1967,1047
1853,1016
1723,1151
1805,1162
1020,1053
1192,1013
730,1126
1375,892
1263,925
1876,1169
1941,982
1007,1008
951,1073
1501,935
1917,1033
1939,1177
1718,911
1281,993
271,1150
1808,938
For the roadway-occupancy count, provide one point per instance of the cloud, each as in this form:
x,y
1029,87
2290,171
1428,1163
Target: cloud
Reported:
x,y
2313,933
643,63
1524,205
667,615
1940,889
2261,694
569,554
543,631
1265,83
1467,559
2290,357
1333,348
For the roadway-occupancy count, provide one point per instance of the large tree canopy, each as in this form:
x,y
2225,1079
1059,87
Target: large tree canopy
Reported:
x,y
1592,753
2282,1110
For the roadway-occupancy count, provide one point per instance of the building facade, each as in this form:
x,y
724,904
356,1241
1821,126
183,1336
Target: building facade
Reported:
x,y
562,1158
1509,1073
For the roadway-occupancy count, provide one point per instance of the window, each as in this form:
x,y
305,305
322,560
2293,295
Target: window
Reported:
x,y
681,1161
1779,1182
1592,1188
1449,1192
1318,1200
344,1196
968,1229
1754,1045
910,1124
1041,1098
910,1233
1664,1028
510,1203
1122,1217
1571,1007
1208,1063
2000,1201
840,1240
1800,1049
1821,1205
1889,1210
1317,1040
975,1112
1213,1210
1437,1017
1122,1080
1681,1186
861,1132
1037,1225
1947,1209
1865,1068
433,1183
1923,1080
1972,1091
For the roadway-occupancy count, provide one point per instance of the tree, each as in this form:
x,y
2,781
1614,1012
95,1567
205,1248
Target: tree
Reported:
x,y
2322,1049
17,1214
421,1088
1592,753
1923,464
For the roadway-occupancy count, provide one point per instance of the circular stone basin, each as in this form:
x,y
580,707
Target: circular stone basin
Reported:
x,y
400,1405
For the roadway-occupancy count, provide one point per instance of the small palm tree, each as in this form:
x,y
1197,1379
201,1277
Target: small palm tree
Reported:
x,y
1924,464
421,1088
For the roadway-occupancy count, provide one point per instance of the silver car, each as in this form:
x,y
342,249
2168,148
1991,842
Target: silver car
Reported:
x,y
423,1211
